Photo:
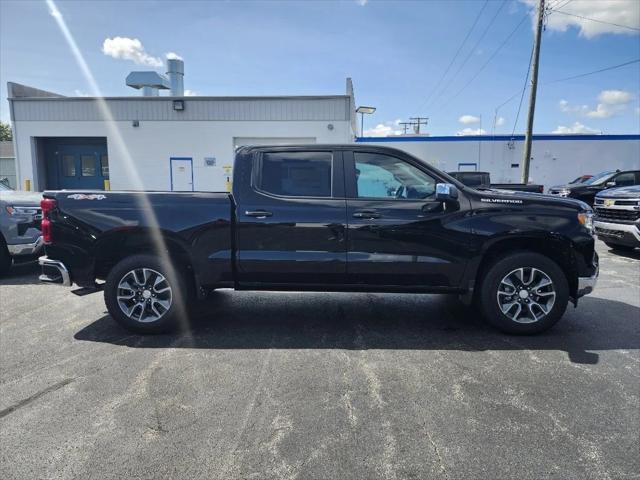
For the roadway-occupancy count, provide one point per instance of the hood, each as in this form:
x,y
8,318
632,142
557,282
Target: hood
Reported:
x,y
529,198
566,186
632,191
28,199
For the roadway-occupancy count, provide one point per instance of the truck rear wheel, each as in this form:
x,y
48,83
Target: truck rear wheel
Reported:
x,y
145,294
523,293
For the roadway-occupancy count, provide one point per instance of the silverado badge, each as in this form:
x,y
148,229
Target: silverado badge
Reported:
x,y
609,202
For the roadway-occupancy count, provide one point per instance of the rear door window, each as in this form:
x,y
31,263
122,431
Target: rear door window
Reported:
x,y
296,174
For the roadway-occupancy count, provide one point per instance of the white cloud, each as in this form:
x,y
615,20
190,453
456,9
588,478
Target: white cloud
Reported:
x,y
610,103
622,12
129,49
468,119
577,127
362,3
385,129
566,107
471,131
80,93
499,121
190,93
615,97
173,56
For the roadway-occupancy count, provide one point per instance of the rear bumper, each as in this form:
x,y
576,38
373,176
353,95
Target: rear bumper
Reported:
x,y
54,271
622,233
20,249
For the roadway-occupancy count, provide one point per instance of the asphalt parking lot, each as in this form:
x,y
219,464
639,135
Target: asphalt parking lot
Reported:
x,y
319,386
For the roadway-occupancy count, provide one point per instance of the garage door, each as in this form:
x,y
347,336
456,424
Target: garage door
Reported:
x,y
242,141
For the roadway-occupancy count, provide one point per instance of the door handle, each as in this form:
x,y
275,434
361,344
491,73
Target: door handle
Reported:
x,y
258,213
367,214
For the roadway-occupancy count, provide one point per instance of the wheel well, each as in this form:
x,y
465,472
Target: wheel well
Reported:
x,y
117,247
557,249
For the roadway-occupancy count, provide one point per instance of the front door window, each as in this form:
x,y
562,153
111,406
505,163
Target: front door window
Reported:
x,y
382,176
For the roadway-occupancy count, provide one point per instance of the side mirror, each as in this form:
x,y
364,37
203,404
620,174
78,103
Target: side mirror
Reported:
x,y
610,184
446,192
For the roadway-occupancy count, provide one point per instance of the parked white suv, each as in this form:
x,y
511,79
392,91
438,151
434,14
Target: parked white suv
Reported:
x,y
617,219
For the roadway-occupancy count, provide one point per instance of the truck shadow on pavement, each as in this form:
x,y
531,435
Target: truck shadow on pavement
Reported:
x,y
250,320
22,274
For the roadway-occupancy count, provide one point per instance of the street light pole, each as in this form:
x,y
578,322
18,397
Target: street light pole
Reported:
x,y
532,97
362,110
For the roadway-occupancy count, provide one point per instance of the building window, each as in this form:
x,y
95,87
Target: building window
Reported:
x,y
69,165
296,174
88,165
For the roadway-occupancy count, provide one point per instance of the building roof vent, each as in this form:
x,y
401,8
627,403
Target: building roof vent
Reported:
x,y
149,82
175,72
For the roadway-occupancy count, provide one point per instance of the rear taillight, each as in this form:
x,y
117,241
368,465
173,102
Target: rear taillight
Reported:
x,y
541,189
47,205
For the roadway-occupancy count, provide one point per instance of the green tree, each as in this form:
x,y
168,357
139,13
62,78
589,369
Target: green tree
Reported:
x,y
5,132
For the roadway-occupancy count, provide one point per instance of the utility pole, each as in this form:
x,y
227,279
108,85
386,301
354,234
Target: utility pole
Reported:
x,y
405,126
418,121
532,97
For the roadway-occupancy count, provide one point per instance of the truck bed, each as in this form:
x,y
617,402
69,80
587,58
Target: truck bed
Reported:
x,y
89,224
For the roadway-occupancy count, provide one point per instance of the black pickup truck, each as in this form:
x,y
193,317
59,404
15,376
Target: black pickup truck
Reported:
x,y
323,218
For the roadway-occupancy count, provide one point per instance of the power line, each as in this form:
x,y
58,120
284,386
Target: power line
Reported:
x,y
613,67
493,55
484,33
596,20
475,22
524,89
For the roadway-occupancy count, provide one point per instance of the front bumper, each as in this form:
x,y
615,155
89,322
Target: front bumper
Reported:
x,y
26,248
586,285
54,271
622,233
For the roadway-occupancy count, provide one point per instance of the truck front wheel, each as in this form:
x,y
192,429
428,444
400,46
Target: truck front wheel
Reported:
x,y
523,293
145,294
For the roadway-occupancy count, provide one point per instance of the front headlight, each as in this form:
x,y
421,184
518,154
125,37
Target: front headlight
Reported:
x,y
564,193
22,211
586,220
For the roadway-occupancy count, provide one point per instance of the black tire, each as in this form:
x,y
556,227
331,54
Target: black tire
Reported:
x,y
5,258
621,248
170,318
503,266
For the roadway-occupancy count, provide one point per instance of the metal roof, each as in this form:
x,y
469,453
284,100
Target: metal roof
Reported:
x,y
303,108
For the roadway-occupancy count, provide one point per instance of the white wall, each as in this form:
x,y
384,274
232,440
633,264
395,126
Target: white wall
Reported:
x,y
150,146
555,161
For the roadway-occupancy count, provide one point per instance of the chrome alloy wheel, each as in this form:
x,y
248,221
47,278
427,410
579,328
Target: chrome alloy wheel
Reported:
x,y
144,295
526,295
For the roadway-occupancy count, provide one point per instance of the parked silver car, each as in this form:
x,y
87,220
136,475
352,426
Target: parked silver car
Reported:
x,y
20,217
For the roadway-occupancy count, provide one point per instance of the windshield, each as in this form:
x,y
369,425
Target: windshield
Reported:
x,y
599,179
4,188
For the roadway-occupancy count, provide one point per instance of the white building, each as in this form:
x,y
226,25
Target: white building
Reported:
x,y
159,142
556,159
187,143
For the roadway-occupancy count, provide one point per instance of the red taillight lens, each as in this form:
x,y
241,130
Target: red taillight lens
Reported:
x,y
47,205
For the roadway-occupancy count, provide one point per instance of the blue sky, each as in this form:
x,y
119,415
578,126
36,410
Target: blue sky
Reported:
x,y
395,51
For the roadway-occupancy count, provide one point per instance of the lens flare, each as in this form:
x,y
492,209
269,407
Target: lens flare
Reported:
x,y
122,152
